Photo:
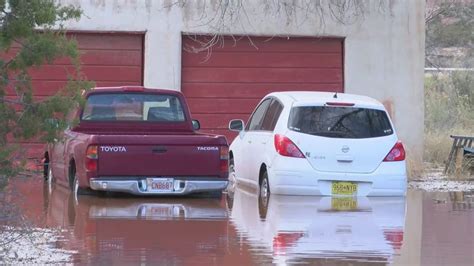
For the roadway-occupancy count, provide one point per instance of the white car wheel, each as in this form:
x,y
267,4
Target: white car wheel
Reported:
x,y
264,196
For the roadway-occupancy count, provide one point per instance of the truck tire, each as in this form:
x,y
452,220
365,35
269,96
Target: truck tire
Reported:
x,y
49,176
75,189
46,167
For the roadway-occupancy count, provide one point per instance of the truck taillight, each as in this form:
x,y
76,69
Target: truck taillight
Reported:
x,y
284,146
224,159
396,154
92,157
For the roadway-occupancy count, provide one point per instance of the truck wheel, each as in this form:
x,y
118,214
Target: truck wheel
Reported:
x,y
49,174
264,196
76,190
46,166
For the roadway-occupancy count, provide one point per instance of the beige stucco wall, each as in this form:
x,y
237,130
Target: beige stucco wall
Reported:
x,y
383,53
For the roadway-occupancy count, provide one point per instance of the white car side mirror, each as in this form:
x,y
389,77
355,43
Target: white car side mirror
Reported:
x,y
236,125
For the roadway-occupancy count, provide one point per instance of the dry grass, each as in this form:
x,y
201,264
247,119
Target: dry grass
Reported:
x,y
415,168
449,110
437,147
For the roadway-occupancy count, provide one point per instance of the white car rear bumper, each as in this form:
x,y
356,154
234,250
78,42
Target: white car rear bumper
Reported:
x,y
301,179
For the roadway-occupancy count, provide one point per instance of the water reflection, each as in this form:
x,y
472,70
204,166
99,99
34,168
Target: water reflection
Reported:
x,y
170,231
322,230
241,230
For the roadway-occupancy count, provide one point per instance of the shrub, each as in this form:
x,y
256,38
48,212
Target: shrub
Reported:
x,y
449,110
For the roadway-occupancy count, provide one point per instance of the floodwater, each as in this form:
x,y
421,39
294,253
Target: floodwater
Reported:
x,y
421,229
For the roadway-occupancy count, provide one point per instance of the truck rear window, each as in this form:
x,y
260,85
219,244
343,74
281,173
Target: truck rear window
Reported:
x,y
340,122
133,107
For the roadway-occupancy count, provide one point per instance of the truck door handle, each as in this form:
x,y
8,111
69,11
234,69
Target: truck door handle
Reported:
x,y
159,150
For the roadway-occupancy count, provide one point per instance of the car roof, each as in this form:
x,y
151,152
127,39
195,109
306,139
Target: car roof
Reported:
x,y
314,97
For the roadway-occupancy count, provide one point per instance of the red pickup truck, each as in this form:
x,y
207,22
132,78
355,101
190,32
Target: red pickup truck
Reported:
x,y
139,141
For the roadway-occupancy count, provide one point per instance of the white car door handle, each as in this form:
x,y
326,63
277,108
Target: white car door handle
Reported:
x,y
249,141
264,142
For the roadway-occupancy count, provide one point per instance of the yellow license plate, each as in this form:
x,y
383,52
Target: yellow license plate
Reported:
x,y
344,188
343,204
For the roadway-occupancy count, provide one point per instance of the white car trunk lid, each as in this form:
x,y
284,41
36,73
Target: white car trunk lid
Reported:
x,y
342,138
343,155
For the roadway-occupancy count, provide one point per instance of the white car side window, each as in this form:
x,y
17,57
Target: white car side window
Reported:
x,y
255,122
272,115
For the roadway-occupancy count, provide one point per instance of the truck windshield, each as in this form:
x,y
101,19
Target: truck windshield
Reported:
x,y
340,122
134,107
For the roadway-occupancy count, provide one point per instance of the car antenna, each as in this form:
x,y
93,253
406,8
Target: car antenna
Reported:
x,y
335,95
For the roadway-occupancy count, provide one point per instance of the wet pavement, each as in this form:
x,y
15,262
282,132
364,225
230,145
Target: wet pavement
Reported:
x,y
422,229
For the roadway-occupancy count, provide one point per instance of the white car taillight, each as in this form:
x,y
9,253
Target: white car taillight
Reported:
x,y
396,154
285,147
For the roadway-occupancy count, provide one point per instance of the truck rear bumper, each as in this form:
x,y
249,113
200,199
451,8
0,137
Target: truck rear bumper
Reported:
x,y
139,186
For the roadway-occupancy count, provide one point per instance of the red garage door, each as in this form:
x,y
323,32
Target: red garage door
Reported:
x,y
227,81
108,59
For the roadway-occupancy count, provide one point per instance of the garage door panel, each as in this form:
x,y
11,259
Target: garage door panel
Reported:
x,y
221,106
196,74
241,90
267,44
218,121
113,73
230,135
105,73
273,59
115,41
50,87
106,58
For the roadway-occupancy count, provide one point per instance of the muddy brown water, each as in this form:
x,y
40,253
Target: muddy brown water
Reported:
x,y
238,229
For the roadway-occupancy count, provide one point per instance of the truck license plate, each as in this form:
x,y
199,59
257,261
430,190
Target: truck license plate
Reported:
x,y
344,188
160,184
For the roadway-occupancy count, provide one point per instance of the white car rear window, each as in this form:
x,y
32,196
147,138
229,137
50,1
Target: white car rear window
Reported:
x,y
340,122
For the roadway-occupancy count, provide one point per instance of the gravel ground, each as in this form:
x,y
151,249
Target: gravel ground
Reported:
x,y
435,180
32,246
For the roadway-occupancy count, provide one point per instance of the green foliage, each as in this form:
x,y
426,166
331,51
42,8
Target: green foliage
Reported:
x,y
450,25
32,34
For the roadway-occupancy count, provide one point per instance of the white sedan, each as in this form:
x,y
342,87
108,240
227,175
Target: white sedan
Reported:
x,y
319,143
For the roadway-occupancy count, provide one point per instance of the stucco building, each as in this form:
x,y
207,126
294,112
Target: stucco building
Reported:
x,y
225,55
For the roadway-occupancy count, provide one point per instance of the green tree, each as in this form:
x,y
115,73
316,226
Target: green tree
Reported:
x,y
450,26
32,34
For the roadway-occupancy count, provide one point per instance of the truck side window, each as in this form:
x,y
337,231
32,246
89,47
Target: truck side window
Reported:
x,y
255,122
